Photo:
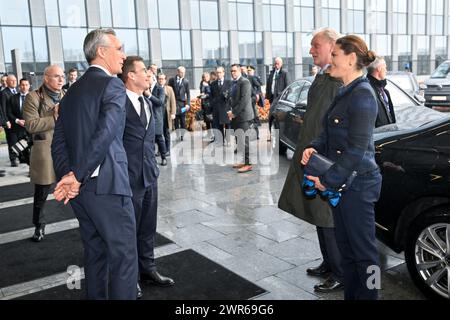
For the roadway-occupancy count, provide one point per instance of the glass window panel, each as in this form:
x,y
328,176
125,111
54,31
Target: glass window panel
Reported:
x,y
383,45
14,12
437,7
186,45
40,45
245,16
266,15
105,13
307,3
143,44
400,23
209,14
246,45
51,12
232,16
437,24
419,6
278,18
195,14
441,45
381,5
123,14
279,44
129,41
404,45
153,14
73,39
281,2
423,45
259,45
381,22
211,45
73,13
23,43
306,44
400,6
290,45
171,45
307,19
168,14
224,45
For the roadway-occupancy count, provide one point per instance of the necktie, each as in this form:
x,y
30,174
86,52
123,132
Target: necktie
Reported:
x,y
14,91
386,104
234,88
274,81
22,99
143,115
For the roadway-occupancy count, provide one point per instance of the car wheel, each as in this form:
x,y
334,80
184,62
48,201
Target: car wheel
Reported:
x,y
276,143
427,253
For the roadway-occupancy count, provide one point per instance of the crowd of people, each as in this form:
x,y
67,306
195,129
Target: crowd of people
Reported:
x,y
95,138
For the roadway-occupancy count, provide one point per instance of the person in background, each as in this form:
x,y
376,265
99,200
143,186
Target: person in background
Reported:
x,y
5,95
205,94
376,73
314,70
170,107
73,76
347,140
3,84
180,86
220,95
40,111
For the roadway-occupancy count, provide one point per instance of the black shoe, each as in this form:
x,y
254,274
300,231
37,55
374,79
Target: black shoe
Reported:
x,y
164,162
2,173
38,235
156,279
14,163
139,293
157,154
329,285
319,271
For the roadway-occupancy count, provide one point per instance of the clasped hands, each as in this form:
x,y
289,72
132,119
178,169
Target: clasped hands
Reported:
x,y
305,158
67,188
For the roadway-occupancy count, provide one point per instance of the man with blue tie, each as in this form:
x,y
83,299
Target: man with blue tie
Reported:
x,y
139,143
90,159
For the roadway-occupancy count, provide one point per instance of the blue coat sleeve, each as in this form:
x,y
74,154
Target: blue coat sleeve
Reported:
x,y
60,156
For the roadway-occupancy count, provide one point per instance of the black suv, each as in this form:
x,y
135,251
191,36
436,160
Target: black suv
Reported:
x,y
413,212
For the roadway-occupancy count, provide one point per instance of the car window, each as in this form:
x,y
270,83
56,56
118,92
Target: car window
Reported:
x,y
303,96
399,98
403,81
441,71
292,92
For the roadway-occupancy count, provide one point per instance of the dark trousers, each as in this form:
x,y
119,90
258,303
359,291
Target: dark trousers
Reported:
x,y
180,123
243,140
40,196
223,129
108,231
11,139
159,139
15,134
145,203
166,132
355,234
330,252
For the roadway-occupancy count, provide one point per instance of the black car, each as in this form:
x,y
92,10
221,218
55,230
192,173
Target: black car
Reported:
x,y
413,212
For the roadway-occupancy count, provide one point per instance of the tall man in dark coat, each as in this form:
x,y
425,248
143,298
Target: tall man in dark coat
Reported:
x,y
88,151
220,90
277,81
180,86
316,211
15,112
139,141
241,113
376,73
5,94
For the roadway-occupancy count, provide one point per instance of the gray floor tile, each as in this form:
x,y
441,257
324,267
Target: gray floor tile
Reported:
x,y
297,251
280,289
280,231
192,234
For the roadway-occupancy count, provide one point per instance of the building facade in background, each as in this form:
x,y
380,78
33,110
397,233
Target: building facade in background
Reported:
x,y
201,34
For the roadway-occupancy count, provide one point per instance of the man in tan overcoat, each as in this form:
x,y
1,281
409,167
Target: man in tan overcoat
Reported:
x,y
40,111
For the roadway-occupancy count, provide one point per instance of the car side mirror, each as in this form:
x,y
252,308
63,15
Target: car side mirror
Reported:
x,y
420,98
422,86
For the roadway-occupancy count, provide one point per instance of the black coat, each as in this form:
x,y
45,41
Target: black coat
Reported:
x,y
219,100
383,117
4,101
14,113
158,99
281,83
182,93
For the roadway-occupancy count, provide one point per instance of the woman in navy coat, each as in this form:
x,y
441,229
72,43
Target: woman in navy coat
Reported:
x,y
347,139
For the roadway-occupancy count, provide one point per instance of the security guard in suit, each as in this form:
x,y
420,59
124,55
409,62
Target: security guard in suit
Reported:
x,y
347,139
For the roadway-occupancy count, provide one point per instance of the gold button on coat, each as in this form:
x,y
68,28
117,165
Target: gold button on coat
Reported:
x,y
336,121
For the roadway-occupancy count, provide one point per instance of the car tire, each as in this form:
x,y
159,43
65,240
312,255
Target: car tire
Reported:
x,y
276,143
429,233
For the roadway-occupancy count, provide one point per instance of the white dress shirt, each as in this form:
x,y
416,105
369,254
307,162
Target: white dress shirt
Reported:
x,y
134,98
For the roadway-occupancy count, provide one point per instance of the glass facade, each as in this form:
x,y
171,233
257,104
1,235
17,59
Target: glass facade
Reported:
x,y
59,27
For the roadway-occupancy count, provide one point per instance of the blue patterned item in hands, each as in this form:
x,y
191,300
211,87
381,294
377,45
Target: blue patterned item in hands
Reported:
x,y
310,191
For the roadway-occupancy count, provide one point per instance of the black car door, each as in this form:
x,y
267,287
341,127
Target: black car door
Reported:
x,y
296,115
285,111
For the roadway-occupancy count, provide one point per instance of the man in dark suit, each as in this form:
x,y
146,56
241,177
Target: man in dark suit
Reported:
x,y
73,76
88,151
241,113
15,112
277,81
183,96
139,141
8,92
376,73
220,89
